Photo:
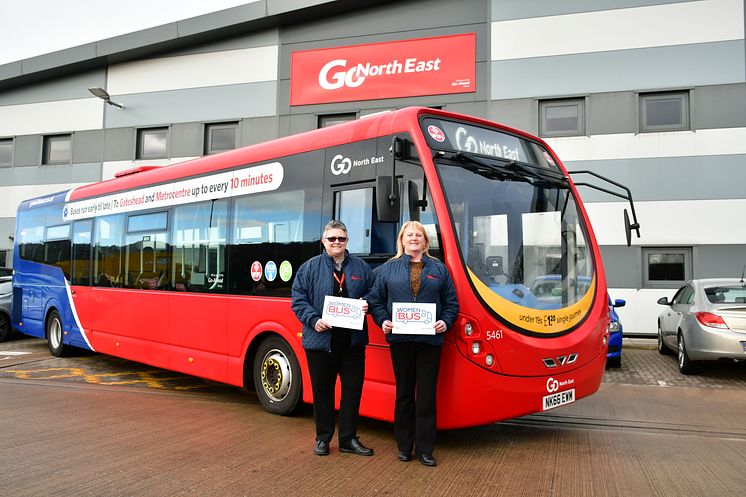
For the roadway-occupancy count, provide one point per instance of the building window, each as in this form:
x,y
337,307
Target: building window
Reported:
x,y
331,119
220,137
666,267
6,152
564,117
57,149
667,111
151,143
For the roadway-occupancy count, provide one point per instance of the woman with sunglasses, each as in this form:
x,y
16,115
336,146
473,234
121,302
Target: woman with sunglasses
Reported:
x,y
333,351
413,276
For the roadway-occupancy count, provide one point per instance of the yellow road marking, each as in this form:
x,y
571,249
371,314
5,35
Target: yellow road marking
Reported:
x,y
140,377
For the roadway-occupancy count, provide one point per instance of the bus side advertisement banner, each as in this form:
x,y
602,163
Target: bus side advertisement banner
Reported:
x,y
266,177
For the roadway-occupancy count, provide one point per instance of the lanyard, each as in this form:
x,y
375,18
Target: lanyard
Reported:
x,y
340,281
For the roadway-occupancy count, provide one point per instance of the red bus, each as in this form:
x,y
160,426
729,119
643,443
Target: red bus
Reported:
x,y
189,267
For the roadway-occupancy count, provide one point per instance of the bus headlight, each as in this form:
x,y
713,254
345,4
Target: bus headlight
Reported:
x,y
489,360
468,330
475,348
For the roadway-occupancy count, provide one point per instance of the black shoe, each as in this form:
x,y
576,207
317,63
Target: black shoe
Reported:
x,y
353,446
322,448
426,460
404,456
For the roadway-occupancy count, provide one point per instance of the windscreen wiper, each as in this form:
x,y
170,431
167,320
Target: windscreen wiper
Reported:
x,y
509,169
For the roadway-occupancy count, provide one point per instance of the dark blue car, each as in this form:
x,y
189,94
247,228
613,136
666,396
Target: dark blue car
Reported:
x,y
614,356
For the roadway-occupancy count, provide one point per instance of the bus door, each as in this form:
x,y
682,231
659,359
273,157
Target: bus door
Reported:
x,y
80,278
147,271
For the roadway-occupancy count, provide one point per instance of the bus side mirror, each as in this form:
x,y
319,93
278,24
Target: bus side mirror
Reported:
x,y
387,199
628,227
413,200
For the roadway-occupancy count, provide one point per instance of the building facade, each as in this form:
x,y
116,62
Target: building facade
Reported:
x,y
650,93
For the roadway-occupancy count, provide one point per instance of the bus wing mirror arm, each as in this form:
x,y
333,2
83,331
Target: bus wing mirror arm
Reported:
x,y
627,195
387,187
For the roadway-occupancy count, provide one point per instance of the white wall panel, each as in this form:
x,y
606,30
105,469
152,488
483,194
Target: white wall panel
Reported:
x,y
723,141
640,314
51,117
247,65
690,222
652,26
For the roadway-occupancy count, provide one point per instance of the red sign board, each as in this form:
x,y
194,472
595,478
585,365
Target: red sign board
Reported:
x,y
407,68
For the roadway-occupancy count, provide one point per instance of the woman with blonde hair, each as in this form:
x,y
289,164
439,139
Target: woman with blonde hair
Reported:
x,y
413,276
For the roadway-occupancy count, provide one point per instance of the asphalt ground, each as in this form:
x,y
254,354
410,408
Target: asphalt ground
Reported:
x,y
93,425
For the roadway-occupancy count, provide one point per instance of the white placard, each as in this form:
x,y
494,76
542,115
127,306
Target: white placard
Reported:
x,y
344,313
411,318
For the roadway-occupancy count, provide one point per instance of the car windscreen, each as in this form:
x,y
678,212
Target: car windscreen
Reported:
x,y
735,294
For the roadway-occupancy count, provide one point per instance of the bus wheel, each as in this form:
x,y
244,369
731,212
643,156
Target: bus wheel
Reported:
x,y
5,328
277,378
54,335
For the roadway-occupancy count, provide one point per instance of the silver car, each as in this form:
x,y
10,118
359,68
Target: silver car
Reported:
x,y
6,292
705,321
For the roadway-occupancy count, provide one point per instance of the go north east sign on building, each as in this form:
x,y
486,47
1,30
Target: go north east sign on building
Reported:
x,y
424,66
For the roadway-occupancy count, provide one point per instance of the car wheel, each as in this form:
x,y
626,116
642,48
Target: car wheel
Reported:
x,y
662,347
54,335
614,362
5,329
277,377
686,366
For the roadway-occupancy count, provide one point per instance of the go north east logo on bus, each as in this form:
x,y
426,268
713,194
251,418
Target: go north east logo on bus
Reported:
x,y
404,68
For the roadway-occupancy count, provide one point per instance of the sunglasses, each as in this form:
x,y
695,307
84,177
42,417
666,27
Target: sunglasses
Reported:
x,y
335,238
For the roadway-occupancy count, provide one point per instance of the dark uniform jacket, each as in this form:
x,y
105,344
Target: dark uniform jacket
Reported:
x,y
314,281
393,284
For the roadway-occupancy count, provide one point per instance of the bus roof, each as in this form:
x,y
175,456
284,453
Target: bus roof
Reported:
x,y
366,127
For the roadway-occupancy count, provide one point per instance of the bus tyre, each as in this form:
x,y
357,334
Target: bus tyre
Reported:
x,y
277,377
54,335
5,328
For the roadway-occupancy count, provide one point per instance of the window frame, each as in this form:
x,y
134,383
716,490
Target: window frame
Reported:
x,y
688,269
11,147
208,138
327,120
141,153
578,102
684,97
46,148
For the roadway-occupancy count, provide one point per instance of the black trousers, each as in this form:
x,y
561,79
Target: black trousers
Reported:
x,y
349,364
416,368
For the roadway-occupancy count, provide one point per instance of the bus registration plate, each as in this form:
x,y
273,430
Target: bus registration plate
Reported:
x,y
559,399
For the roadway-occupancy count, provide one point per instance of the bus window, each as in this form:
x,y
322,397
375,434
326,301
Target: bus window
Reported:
x,y
354,208
57,248
412,193
268,242
31,235
200,235
107,251
147,258
81,258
